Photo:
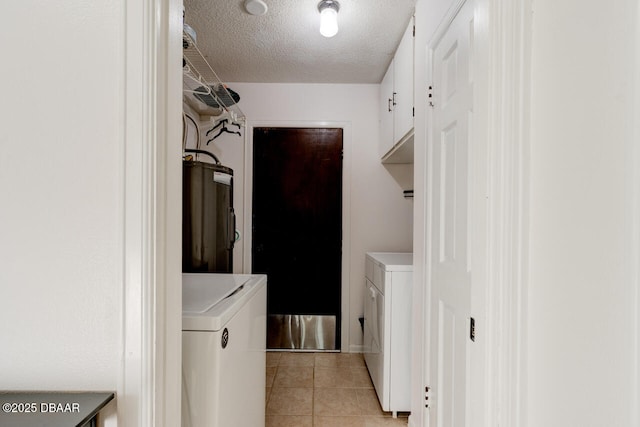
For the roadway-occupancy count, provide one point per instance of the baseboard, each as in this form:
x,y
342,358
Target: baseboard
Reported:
x,y
356,348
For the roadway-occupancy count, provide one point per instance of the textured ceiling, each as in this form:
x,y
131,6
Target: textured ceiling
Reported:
x,y
285,45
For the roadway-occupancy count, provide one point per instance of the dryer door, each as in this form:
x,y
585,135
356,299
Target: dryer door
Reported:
x,y
373,336
369,317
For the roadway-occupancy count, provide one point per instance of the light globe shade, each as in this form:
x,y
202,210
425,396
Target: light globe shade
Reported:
x,y
328,22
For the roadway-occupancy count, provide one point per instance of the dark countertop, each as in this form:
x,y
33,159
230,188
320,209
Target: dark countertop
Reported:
x,y
50,409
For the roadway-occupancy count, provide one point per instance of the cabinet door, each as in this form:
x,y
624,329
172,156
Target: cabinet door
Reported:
x,y
403,85
386,111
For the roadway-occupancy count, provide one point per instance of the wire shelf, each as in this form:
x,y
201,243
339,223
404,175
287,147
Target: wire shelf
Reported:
x,y
202,88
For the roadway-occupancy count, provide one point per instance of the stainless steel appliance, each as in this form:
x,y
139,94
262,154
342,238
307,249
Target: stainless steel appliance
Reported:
x,y
208,219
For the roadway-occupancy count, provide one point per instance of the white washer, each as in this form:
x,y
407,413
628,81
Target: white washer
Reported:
x,y
223,350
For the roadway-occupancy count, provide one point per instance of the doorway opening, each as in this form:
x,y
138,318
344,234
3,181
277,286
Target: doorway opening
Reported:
x,y
297,234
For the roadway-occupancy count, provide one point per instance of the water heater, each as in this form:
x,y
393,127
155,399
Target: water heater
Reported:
x,y
208,219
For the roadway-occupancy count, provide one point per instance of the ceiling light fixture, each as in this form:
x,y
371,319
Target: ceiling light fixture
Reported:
x,y
255,7
328,17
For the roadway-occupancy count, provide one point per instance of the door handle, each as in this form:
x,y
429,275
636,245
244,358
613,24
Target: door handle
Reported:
x,y
389,104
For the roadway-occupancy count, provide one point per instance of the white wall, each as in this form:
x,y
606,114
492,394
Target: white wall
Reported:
x,y
61,186
584,257
379,218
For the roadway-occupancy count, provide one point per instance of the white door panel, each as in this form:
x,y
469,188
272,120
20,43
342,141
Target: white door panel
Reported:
x,y
450,276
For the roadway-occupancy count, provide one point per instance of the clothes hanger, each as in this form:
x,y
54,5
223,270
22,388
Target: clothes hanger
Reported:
x,y
223,129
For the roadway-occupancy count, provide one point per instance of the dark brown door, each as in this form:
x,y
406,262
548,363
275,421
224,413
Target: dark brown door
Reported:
x,y
297,219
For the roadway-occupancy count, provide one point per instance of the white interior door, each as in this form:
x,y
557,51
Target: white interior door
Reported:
x,y
450,272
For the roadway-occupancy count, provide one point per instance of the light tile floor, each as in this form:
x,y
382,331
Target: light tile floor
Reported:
x,y
322,390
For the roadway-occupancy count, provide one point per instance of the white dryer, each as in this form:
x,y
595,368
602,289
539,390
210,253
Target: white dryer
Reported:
x,y
223,350
387,327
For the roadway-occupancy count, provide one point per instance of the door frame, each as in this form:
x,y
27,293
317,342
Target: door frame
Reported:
x,y
505,299
636,205
346,204
149,384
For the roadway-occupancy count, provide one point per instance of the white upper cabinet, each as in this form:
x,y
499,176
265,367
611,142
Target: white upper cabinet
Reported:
x,y
396,102
386,111
403,86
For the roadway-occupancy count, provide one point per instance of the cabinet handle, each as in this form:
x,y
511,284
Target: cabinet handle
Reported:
x,y
389,104
394,98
